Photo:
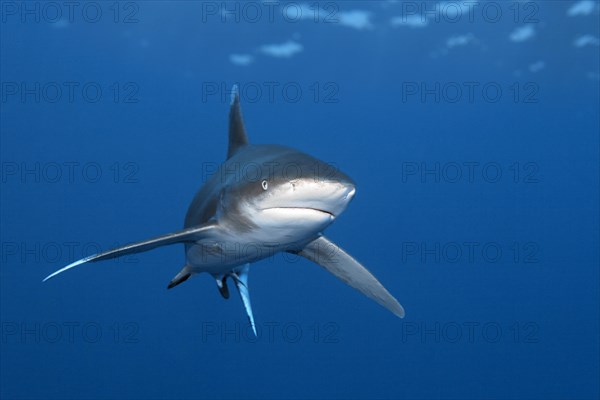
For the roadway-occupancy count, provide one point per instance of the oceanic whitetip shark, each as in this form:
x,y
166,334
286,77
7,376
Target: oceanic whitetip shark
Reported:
x,y
282,203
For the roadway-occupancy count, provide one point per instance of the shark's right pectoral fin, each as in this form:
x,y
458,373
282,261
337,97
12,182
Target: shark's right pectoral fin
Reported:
x,y
183,236
335,260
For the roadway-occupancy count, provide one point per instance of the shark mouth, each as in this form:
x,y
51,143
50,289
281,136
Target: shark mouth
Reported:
x,y
300,209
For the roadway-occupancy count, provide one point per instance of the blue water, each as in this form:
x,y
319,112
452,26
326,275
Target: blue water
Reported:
x,y
473,140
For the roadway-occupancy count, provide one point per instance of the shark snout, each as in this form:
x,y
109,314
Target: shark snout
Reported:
x,y
330,197
351,193
343,190
347,192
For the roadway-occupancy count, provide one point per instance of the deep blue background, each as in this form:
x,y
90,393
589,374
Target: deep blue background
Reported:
x,y
171,343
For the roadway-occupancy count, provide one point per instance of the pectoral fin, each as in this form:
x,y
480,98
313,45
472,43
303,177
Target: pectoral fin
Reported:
x,y
335,260
183,236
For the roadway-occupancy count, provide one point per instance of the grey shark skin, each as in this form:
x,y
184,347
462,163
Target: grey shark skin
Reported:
x,y
264,199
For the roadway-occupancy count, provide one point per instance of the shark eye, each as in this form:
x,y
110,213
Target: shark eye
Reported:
x,y
265,185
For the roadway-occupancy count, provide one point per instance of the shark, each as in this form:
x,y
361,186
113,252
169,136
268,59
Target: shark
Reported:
x,y
264,199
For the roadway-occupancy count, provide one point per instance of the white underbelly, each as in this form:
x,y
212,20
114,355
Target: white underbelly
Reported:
x,y
277,229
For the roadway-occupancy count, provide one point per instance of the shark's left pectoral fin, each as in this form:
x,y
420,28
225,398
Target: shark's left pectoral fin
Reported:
x,y
240,276
335,260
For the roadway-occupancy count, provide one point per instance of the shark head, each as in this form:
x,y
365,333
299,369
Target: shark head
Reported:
x,y
313,192
287,191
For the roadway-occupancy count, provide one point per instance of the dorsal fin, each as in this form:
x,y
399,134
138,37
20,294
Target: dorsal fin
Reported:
x,y
237,132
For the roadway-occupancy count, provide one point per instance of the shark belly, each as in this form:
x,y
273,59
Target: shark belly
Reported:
x,y
275,230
